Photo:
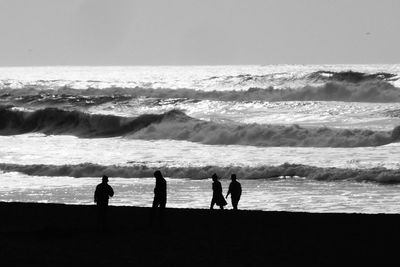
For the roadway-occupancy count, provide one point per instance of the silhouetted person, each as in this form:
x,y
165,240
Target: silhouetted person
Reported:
x,y
235,189
103,192
218,197
160,197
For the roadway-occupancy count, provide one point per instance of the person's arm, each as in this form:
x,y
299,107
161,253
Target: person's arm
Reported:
x,y
95,196
164,188
111,191
229,191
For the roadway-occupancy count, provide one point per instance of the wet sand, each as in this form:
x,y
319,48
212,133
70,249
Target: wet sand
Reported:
x,y
67,235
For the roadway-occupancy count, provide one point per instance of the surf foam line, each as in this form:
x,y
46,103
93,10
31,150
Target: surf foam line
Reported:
x,y
380,175
176,125
365,91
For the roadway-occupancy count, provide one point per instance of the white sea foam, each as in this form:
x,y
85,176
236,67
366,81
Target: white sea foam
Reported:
x,y
372,116
59,150
195,77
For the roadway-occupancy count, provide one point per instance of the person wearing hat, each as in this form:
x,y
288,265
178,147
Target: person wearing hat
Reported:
x,y
217,198
101,195
235,189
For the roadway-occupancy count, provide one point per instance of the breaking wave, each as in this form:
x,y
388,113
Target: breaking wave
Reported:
x,y
348,92
203,78
176,125
380,175
366,91
351,76
56,121
293,79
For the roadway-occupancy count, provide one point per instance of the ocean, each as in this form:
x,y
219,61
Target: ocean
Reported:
x,y
314,138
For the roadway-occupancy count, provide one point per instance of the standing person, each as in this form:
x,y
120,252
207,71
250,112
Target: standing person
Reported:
x,y
160,196
218,197
103,192
235,189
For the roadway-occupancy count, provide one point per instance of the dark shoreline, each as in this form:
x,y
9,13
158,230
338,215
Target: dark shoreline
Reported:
x,y
66,235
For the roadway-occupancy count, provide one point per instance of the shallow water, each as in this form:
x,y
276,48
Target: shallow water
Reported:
x,y
281,194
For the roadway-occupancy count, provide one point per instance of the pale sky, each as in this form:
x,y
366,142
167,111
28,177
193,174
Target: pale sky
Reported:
x,y
198,32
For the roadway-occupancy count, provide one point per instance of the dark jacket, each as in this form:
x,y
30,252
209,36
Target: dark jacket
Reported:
x,y
235,189
160,190
102,194
218,198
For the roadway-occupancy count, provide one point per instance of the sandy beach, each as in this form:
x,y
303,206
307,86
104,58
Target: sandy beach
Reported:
x,y
66,235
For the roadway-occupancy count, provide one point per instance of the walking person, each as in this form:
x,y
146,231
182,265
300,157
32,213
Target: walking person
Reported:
x,y
101,196
160,197
235,190
217,198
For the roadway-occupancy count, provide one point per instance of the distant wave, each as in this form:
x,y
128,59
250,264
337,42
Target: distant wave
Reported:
x,y
348,92
202,79
289,79
366,91
176,125
380,175
351,76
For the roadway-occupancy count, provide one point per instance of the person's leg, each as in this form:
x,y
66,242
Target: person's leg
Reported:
x,y
153,210
102,217
105,213
212,204
155,203
162,212
235,203
163,204
99,216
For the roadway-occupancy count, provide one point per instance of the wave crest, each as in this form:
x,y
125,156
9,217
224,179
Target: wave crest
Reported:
x,y
176,125
366,91
380,175
263,135
57,121
351,76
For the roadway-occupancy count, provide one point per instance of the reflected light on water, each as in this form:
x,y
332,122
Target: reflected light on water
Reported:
x,y
277,195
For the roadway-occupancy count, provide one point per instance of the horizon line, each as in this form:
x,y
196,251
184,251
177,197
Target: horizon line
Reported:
x,y
192,65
